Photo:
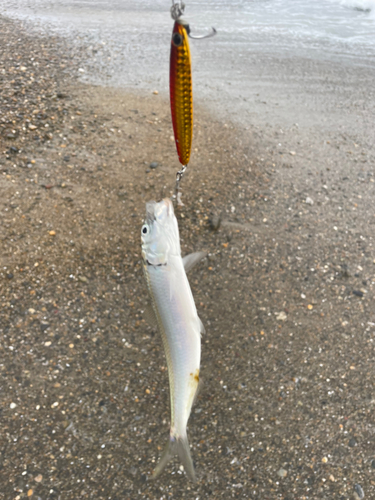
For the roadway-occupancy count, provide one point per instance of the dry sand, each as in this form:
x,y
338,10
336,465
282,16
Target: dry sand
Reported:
x,y
286,296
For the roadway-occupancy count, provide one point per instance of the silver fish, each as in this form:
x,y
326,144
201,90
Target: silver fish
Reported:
x,y
174,312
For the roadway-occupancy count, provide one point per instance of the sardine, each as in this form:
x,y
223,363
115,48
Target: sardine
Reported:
x,y
175,314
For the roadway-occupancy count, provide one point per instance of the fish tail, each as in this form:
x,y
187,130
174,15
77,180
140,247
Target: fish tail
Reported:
x,y
177,446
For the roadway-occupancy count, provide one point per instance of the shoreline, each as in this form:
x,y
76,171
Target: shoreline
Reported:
x,y
286,296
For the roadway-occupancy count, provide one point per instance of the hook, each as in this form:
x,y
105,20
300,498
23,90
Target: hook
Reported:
x,y
177,11
199,37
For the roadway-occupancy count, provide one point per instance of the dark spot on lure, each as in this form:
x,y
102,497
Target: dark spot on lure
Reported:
x,y
177,39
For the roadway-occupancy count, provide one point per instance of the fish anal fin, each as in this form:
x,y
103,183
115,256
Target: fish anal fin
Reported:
x,y
176,446
202,328
198,390
192,260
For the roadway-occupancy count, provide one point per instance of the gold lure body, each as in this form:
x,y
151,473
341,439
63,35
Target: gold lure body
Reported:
x,y
181,90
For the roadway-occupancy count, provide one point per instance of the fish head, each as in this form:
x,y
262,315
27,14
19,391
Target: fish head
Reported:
x,y
159,234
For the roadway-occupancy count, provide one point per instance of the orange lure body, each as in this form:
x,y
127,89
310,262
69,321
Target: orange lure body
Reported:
x,y
181,91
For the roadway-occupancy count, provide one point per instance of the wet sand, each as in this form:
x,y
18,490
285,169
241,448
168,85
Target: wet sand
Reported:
x,y
286,296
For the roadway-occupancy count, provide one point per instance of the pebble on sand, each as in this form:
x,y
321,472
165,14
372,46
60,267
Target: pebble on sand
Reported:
x,y
359,493
281,316
282,473
12,406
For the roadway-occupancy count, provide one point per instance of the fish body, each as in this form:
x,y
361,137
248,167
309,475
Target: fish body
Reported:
x,y
181,90
177,319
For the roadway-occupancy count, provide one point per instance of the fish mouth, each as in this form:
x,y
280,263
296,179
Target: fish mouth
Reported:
x,y
150,212
159,211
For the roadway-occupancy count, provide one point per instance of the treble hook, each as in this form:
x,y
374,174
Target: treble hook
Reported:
x,y
177,11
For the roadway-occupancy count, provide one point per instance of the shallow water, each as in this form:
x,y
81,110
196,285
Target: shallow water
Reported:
x,y
128,42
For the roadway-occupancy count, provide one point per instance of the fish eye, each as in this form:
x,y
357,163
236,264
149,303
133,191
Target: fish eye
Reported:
x,y
177,39
144,229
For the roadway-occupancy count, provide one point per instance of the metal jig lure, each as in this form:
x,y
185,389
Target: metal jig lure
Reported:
x,y
181,89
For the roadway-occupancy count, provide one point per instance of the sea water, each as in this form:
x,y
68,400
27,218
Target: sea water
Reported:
x,y
126,43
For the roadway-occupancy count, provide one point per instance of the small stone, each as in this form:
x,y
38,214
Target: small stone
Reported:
x,y
48,343
31,311
309,201
215,222
83,279
352,442
12,406
281,316
359,491
154,164
309,307
358,293
332,478
30,493
38,478
324,460
71,346
292,153
155,92
32,127
52,233
55,404
10,276
282,472
373,463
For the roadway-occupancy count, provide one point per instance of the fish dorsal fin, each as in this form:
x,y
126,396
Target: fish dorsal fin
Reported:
x,y
150,317
192,259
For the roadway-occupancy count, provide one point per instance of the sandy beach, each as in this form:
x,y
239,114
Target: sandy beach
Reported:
x,y
286,293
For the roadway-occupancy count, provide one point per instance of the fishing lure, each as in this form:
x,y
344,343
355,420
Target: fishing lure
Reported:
x,y
181,90
181,87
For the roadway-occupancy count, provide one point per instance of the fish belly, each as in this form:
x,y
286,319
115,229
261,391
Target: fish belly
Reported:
x,y
179,325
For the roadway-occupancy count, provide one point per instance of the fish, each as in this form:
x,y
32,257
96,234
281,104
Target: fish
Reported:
x,y
181,90
173,310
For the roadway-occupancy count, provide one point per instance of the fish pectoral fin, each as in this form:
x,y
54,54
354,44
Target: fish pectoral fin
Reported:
x,y
150,317
176,446
192,259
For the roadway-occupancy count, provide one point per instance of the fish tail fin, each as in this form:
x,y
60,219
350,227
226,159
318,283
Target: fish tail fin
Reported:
x,y
177,446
